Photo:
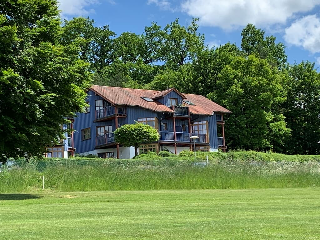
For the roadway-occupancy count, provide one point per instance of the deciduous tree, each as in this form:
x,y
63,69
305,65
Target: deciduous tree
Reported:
x,y
136,134
41,81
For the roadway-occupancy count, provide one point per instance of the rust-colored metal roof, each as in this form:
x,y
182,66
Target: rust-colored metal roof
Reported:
x,y
133,97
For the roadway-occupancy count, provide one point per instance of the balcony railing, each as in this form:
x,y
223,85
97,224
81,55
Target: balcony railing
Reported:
x,y
202,138
182,137
181,111
220,142
105,112
104,139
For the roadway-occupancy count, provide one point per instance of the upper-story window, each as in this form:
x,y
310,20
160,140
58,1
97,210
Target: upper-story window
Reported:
x,y
153,122
173,101
100,104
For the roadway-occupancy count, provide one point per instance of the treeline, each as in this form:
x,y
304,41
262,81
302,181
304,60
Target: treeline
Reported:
x,y
275,106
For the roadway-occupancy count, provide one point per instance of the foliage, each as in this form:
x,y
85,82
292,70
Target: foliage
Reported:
x,y
302,109
42,82
135,135
255,43
252,91
235,170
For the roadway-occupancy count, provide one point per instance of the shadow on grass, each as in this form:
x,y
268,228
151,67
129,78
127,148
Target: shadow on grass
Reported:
x,y
18,196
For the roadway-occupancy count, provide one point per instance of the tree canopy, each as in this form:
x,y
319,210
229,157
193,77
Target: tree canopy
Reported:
x,y
136,134
42,79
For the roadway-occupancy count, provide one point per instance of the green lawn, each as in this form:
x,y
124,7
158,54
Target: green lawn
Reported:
x,y
187,214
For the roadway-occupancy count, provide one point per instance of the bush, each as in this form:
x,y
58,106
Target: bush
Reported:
x,y
166,154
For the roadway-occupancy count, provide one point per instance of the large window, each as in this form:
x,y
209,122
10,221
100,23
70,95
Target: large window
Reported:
x,y
145,148
201,129
153,122
100,104
85,134
104,130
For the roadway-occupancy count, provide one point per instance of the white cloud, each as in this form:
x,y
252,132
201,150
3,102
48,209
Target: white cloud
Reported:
x,y
214,44
162,4
305,33
230,14
76,7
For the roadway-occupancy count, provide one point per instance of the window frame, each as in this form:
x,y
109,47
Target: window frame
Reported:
x,y
144,148
171,100
85,134
199,127
149,119
51,151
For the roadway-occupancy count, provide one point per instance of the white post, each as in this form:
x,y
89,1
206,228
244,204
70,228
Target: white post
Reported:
x,y
207,160
43,182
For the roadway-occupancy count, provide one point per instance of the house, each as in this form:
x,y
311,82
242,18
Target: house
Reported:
x,y
177,117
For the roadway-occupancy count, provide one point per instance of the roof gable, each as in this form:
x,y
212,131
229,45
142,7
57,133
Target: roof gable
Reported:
x,y
165,92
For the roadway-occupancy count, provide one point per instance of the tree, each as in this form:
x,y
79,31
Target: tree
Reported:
x,y
302,109
253,91
136,134
42,82
255,43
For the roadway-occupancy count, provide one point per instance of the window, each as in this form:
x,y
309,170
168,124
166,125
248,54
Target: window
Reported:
x,y
145,148
85,134
55,152
104,130
201,129
173,101
106,155
153,122
87,108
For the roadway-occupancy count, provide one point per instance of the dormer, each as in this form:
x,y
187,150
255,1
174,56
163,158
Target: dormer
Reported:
x,y
170,97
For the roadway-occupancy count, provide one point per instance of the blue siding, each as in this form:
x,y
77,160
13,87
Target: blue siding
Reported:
x,y
86,120
171,94
134,113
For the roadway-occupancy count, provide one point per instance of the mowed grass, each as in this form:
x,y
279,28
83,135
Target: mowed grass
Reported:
x,y
286,213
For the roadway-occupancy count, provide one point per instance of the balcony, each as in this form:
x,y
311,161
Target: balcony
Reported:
x,y
104,113
181,111
182,137
104,139
202,138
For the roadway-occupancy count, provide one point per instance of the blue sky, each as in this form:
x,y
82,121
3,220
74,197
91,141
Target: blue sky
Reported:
x,y
296,23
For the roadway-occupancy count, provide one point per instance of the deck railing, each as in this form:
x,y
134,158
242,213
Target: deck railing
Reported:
x,y
182,137
105,112
104,139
